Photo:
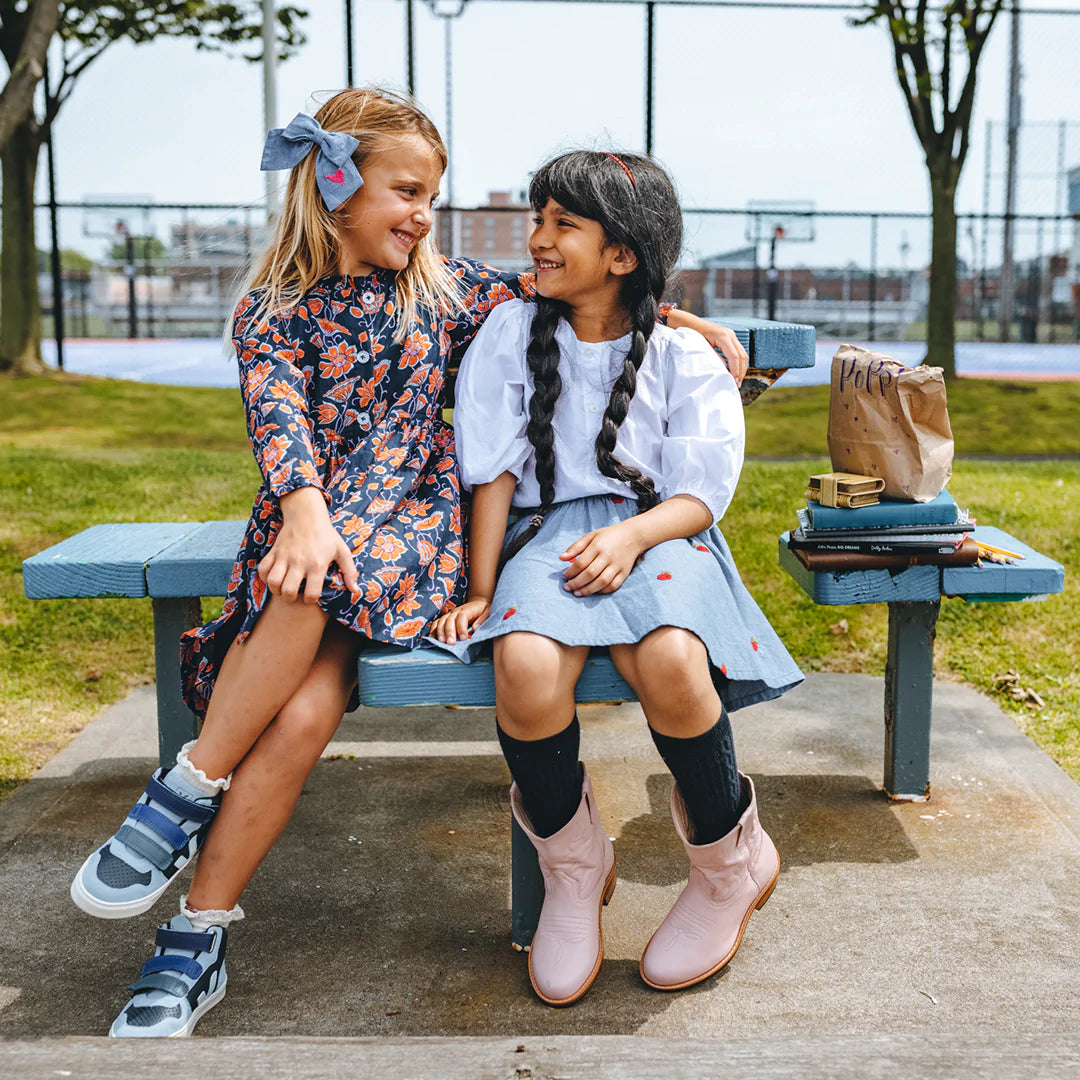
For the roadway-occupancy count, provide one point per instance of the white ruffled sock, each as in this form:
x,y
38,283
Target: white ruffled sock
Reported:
x,y
195,778
203,920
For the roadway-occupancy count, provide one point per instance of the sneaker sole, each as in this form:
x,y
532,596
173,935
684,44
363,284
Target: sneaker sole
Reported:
x,y
84,900
200,1011
757,905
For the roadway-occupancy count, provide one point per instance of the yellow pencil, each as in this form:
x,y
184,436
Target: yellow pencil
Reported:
x,y
999,551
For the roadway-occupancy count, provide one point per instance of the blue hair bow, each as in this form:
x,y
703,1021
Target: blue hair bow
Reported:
x,y
335,172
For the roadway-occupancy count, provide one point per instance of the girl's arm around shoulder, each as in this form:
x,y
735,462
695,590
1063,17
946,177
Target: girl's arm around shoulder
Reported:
x,y
490,415
483,290
704,430
274,386
720,338
487,530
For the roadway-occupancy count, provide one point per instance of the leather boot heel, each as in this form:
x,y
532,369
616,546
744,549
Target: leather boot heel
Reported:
x,y
609,886
769,890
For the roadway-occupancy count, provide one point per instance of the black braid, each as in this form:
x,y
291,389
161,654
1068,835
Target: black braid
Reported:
x,y
635,203
543,357
643,314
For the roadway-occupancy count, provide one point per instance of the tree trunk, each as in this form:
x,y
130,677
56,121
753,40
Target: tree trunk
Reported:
x,y
941,307
20,306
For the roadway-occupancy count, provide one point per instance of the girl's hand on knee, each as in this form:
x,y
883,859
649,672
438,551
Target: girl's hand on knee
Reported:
x,y
304,549
601,560
461,622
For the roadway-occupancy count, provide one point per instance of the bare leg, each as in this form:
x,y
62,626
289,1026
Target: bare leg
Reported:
x,y
534,684
267,783
257,678
669,671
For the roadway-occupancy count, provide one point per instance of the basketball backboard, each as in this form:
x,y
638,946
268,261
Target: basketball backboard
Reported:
x,y
765,216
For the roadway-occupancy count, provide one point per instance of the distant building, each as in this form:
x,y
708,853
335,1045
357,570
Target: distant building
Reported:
x,y
496,233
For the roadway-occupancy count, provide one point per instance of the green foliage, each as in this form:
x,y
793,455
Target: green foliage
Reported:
x,y
145,247
214,26
69,260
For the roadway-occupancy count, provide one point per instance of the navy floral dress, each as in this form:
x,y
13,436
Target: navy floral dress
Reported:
x,y
334,402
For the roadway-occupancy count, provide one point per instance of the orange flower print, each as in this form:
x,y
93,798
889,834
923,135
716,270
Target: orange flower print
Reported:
x,y
258,591
415,347
387,547
336,361
408,629
308,472
273,451
499,293
358,530
407,603
256,377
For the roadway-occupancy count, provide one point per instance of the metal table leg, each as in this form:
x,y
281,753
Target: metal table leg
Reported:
x,y
176,722
909,686
527,888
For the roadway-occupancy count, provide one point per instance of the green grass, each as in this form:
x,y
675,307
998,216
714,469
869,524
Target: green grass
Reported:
x,y
77,451
989,419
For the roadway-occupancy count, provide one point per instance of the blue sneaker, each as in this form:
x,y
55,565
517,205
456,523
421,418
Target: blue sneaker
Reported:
x,y
160,836
178,985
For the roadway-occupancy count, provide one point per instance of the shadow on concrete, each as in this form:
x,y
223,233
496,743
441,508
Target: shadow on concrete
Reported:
x,y
812,819
383,909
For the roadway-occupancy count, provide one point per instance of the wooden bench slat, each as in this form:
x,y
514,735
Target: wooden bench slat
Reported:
x,y
428,676
775,344
198,565
103,560
1037,575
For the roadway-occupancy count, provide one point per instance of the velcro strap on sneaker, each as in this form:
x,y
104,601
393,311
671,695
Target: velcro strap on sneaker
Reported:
x,y
193,941
142,845
159,980
166,829
183,964
177,803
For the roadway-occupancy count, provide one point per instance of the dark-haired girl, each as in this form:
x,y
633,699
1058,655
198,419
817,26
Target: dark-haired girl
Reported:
x,y
622,441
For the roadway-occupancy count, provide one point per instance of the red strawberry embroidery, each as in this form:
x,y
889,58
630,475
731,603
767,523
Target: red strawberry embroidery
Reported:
x,y
702,547
665,576
509,612
723,669
753,643
337,177
617,499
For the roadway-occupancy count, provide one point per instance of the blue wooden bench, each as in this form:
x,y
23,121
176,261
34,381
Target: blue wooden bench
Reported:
x,y
914,599
175,564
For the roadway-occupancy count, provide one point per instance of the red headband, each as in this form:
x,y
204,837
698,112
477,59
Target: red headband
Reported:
x,y
622,165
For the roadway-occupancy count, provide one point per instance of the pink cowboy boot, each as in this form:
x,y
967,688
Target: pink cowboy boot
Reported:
x,y
578,864
729,880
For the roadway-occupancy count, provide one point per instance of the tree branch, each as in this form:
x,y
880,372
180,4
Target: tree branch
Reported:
x,y
17,97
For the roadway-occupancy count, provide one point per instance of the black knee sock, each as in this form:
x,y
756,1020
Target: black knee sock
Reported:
x,y
704,768
548,775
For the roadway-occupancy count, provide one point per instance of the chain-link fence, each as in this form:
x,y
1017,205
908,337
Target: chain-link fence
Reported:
x,y
154,271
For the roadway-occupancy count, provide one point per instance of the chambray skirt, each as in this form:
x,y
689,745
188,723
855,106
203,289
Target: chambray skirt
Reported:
x,y
692,584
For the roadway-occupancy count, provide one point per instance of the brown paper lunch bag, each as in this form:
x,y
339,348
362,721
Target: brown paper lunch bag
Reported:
x,y
890,421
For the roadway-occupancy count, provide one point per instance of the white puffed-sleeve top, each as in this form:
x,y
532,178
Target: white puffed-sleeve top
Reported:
x,y
684,428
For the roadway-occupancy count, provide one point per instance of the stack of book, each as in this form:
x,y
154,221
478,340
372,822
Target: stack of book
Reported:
x,y
888,535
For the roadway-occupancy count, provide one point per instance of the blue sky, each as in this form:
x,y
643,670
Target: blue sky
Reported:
x,y
749,105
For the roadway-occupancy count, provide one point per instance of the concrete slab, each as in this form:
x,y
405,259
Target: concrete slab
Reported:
x,y
384,909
